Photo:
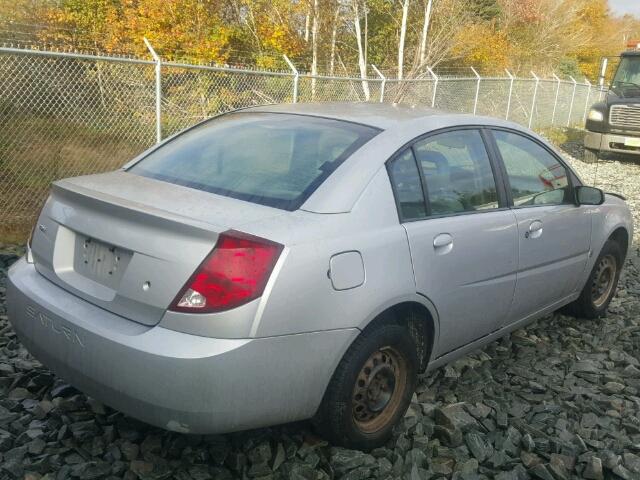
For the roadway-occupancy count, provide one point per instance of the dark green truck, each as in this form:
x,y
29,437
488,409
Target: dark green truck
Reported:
x,y
613,124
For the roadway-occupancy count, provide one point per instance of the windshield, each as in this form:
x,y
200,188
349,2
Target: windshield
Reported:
x,y
269,158
626,81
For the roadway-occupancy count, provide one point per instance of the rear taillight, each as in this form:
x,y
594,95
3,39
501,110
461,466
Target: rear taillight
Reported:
x,y
234,273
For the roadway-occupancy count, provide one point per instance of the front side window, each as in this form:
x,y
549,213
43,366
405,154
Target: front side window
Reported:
x,y
272,159
535,176
457,172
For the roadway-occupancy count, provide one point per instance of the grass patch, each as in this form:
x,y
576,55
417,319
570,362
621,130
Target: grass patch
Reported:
x,y
563,135
35,151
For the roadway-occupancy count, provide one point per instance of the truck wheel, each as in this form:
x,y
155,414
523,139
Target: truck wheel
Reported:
x,y
370,390
601,284
590,156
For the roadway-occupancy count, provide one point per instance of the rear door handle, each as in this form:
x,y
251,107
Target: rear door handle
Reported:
x,y
534,230
443,243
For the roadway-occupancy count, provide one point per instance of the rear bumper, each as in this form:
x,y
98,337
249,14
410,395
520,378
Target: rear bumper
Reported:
x,y
170,379
609,142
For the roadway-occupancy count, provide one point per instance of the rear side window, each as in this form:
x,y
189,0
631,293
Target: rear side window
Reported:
x,y
408,188
272,159
535,176
457,172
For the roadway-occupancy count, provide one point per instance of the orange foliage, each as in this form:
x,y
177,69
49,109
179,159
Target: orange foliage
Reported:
x,y
483,46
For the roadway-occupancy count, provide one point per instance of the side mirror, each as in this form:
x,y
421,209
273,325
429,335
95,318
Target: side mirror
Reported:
x,y
589,195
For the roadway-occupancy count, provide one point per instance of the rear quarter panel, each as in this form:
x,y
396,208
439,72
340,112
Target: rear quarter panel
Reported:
x,y
302,299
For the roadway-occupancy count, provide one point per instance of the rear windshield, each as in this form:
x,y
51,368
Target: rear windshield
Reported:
x,y
268,158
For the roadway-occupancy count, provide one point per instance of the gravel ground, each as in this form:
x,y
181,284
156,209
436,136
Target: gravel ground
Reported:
x,y
557,400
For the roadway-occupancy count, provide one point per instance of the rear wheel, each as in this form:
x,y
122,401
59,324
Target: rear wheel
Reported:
x,y
370,390
590,156
601,285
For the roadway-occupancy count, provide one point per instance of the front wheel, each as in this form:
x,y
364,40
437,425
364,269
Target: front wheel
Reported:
x,y
370,390
589,156
601,285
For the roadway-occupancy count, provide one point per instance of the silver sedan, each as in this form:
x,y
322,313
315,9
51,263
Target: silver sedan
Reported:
x,y
289,262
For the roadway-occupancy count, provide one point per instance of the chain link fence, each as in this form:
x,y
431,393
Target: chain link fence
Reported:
x,y
67,114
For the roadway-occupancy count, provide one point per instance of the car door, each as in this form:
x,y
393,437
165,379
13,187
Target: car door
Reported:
x,y
553,232
463,239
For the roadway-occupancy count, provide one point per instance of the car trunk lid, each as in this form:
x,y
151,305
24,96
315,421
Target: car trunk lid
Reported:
x,y
128,243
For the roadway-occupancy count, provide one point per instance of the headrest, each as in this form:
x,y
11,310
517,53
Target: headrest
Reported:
x,y
437,158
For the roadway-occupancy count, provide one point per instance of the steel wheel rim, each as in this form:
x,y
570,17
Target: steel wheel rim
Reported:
x,y
603,280
378,390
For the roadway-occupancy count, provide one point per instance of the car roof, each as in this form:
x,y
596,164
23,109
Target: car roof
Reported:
x,y
390,117
380,115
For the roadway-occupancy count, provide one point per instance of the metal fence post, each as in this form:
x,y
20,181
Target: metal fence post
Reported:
x,y
296,78
573,96
511,78
435,87
383,81
158,74
555,102
586,102
533,101
475,101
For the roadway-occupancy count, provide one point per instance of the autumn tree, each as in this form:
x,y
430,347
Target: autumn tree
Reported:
x,y
402,37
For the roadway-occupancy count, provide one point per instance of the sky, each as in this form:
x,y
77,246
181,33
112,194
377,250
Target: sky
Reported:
x,y
620,7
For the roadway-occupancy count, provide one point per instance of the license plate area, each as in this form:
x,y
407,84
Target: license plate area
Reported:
x,y
631,142
99,261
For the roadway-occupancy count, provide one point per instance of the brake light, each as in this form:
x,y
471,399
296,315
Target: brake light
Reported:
x,y
234,273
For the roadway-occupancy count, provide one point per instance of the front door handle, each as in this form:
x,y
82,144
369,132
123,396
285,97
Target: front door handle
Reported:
x,y
534,230
443,243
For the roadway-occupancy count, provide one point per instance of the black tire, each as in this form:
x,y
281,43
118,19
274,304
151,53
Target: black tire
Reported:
x,y
589,156
336,418
596,296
